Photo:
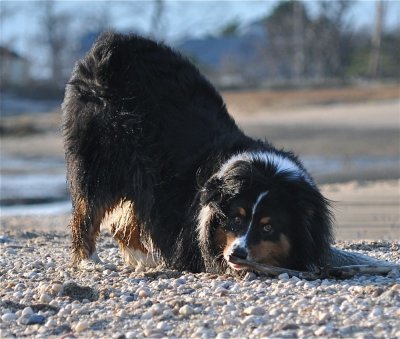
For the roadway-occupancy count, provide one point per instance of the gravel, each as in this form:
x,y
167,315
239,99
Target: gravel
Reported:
x,y
42,296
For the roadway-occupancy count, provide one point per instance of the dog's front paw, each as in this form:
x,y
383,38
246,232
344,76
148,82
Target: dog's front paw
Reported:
x,y
94,263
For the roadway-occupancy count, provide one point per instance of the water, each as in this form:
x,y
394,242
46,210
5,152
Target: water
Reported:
x,y
38,185
13,106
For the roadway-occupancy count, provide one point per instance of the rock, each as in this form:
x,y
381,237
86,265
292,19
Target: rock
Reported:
x,y
163,326
186,310
19,287
77,292
56,288
45,298
250,276
283,276
144,293
50,323
127,298
9,317
146,315
131,335
254,310
32,319
4,239
27,311
251,319
81,326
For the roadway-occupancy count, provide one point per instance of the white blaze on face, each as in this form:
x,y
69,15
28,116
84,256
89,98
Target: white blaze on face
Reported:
x,y
242,241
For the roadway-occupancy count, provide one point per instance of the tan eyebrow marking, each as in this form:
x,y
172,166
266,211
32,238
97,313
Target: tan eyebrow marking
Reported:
x,y
265,220
242,211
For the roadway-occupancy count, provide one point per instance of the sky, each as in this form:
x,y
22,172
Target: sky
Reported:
x,y
21,29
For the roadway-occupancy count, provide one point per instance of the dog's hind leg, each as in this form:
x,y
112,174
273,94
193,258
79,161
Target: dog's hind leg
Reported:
x,y
85,227
135,248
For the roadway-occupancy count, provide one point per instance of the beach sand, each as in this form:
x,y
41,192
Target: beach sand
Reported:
x,y
356,142
357,149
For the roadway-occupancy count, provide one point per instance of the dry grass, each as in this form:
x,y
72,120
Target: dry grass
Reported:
x,y
252,101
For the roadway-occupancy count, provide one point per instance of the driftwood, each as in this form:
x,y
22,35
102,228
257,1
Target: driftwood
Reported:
x,y
340,265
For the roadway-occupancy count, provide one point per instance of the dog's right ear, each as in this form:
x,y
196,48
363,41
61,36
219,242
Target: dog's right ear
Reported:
x,y
212,191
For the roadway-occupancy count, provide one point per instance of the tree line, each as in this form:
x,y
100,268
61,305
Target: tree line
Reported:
x,y
298,47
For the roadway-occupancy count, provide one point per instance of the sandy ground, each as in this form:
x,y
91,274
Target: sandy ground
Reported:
x,y
42,296
367,198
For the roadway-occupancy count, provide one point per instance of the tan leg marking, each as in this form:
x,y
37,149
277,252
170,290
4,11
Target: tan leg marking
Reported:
x,y
84,230
126,230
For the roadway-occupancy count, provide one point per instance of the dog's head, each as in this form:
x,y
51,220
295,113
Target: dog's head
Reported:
x,y
266,208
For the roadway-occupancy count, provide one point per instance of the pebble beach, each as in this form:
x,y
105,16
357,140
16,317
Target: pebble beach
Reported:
x,y
42,296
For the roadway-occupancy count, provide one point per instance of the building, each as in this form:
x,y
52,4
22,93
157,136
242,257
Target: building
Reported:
x,y
14,69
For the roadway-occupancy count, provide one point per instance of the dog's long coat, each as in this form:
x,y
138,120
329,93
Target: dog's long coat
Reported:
x,y
152,151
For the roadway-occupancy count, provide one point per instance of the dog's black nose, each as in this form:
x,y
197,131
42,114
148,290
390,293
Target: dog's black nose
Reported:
x,y
239,252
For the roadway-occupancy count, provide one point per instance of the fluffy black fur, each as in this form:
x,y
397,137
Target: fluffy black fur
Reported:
x,y
142,124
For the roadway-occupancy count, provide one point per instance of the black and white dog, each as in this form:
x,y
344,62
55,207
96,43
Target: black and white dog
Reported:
x,y
153,153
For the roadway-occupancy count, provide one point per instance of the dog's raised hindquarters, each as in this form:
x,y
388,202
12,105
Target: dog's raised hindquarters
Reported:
x,y
153,153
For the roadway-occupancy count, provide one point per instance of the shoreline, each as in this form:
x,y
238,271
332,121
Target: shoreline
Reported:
x,y
363,210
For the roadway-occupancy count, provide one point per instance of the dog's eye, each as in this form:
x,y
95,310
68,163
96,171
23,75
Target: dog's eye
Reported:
x,y
267,229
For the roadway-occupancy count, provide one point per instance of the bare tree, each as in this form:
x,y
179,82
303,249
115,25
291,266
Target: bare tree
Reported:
x,y
54,26
298,41
376,38
157,21
329,38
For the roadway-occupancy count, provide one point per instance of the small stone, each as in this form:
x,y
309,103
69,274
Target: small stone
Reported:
x,y
17,295
295,279
63,312
395,287
251,319
167,314
19,287
10,251
77,292
283,276
121,313
9,317
163,326
81,326
127,298
4,239
250,276
131,335
50,323
186,310
156,309
144,293
27,311
254,310
221,291
324,330
37,264
56,288
322,317
45,298
54,303
147,315
32,319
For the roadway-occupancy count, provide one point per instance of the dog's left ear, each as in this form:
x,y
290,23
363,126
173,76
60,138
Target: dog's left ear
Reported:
x,y
212,191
